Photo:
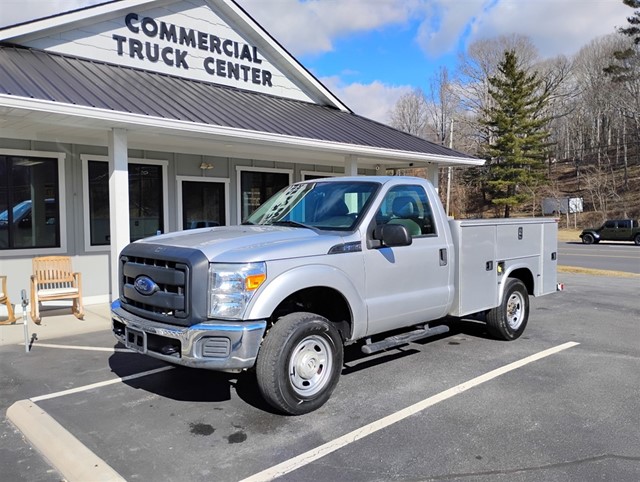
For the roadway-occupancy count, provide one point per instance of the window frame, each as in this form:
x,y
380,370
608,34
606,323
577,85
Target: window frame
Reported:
x,y
62,204
85,158
219,180
304,174
240,170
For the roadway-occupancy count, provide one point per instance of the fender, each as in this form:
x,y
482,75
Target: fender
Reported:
x,y
309,276
510,269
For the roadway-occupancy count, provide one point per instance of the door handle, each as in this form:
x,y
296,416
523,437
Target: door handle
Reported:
x,y
443,257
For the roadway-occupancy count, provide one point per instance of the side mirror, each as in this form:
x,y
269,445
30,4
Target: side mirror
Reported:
x,y
392,235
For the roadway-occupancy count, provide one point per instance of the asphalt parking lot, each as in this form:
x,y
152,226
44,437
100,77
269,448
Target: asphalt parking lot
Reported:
x,y
567,414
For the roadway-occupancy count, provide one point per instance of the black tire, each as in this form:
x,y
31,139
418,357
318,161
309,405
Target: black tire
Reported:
x,y
508,321
637,240
299,363
588,238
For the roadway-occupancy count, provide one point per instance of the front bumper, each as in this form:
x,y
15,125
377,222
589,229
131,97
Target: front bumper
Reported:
x,y
213,345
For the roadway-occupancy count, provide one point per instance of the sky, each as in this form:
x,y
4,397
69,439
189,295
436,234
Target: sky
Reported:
x,y
371,52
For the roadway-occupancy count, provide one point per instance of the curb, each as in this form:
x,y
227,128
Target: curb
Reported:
x,y
73,460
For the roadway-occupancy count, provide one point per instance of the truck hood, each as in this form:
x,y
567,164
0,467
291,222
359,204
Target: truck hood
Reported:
x,y
242,244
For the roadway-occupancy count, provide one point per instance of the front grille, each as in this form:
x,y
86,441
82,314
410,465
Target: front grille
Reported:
x,y
166,275
169,298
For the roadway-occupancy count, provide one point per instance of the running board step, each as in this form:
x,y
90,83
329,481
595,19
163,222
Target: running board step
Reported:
x,y
403,338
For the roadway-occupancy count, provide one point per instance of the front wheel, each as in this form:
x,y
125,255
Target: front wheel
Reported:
x,y
508,321
588,239
637,240
299,363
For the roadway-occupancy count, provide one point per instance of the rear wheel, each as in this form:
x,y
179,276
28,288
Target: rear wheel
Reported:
x,y
637,240
588,238
299,363
508,321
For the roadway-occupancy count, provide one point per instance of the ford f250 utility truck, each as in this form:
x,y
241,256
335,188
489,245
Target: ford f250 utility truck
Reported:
x,y
320,265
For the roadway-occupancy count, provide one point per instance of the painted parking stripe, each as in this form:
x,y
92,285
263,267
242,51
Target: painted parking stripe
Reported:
x,y
84,348
333,445
84,388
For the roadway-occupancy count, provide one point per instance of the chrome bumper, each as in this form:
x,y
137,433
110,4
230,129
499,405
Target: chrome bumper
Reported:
x,y
214,345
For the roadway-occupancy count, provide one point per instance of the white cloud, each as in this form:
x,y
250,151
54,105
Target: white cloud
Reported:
x,y
311,27
18,11
374,101
555,27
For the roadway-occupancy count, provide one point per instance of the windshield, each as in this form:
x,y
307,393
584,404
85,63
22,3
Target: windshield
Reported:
x,y
336,205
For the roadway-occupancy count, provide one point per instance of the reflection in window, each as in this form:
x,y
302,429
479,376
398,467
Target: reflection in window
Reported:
x,y
202,204
146,215
29,202
256,187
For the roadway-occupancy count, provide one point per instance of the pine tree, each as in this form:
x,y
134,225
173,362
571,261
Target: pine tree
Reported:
x,y
517,143
627,62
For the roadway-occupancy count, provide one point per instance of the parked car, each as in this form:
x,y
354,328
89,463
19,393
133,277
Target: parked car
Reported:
x,y
613,230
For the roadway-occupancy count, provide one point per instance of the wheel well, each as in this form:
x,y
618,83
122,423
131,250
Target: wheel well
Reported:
x,y
524,275
326,302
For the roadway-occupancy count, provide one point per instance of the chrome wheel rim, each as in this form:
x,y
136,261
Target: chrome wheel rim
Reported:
x,y
515,310
310,366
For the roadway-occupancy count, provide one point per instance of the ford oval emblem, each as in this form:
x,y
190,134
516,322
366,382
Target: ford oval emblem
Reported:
x,y
145,285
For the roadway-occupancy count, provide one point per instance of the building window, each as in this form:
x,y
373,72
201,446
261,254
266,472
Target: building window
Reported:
x,y
98,202
145,200
29,202
257,186
203,204
146,203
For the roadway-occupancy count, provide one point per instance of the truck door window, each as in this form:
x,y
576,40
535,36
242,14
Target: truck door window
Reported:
x,y
410,207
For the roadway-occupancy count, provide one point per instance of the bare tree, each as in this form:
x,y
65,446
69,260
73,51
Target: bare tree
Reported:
x,y
442,106
410,113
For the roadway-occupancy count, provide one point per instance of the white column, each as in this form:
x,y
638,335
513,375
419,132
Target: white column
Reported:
x,y
432,175
351,166
118,201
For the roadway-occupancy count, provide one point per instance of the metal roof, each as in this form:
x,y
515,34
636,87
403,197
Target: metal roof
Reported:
x,y
35,74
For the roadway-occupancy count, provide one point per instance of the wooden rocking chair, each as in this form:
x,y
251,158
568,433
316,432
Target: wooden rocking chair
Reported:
x,y
4,299
53,279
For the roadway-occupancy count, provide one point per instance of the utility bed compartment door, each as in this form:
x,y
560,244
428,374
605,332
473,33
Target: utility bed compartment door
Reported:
x,y
475,280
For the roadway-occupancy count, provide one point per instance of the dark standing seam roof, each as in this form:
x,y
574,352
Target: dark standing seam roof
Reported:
x,y
69,80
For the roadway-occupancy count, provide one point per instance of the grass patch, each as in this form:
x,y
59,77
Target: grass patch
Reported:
x,y
596,272
565,235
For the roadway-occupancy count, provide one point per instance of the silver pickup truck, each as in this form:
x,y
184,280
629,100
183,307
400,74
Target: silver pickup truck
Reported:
x,y
322,264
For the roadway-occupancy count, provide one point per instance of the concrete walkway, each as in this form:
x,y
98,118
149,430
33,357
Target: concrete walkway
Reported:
x,y
56,322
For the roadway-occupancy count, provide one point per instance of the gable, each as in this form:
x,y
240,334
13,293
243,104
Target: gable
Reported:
x,y
182,38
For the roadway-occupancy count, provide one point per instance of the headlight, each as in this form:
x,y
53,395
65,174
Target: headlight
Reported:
x,y
231,287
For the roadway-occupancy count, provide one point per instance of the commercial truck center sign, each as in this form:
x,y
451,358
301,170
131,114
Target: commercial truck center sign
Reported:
x,y
229,59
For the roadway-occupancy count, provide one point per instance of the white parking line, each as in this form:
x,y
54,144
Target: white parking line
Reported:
x,y
85,348
84,388
333,445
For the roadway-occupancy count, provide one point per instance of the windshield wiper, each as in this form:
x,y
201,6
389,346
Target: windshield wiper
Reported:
x,y
293,224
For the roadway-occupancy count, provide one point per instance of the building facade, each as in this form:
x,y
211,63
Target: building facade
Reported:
x,y
136,117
